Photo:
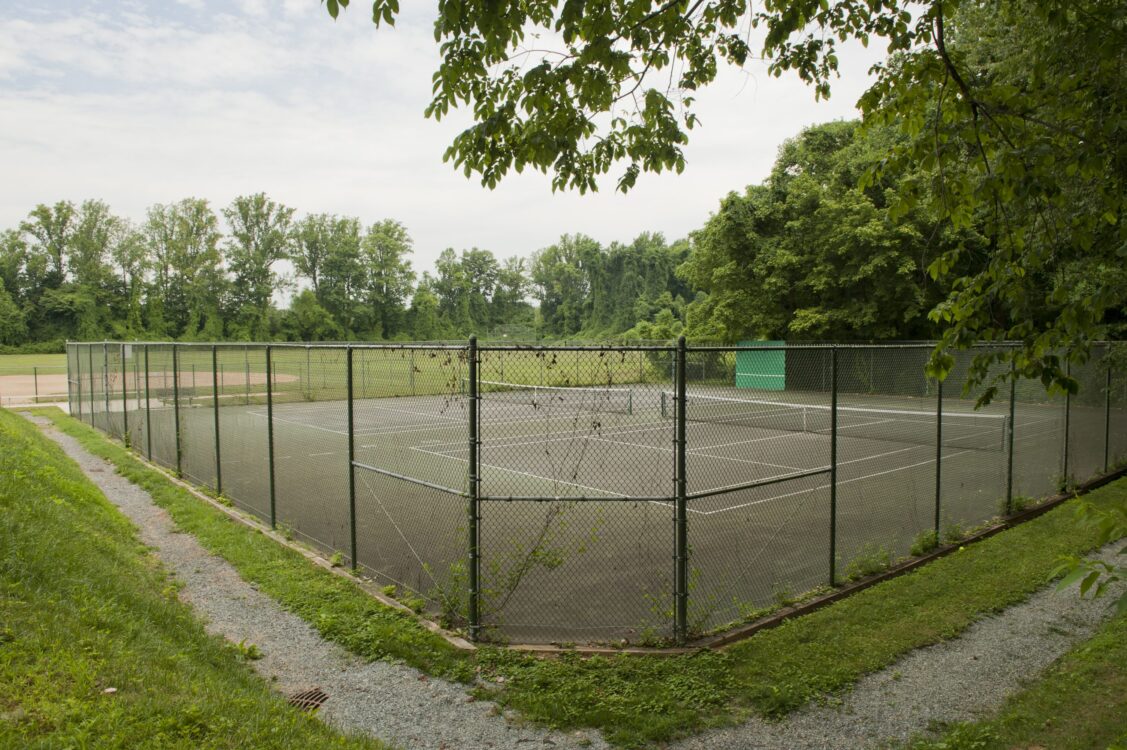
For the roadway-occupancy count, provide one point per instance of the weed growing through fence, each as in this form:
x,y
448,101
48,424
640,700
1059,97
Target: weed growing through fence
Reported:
x,y
924,542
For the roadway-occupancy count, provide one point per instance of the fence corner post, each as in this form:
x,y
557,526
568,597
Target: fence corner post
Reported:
x,y
833,466
938,456
176,404
148,410
680,516
1107,419
270,436
351,461
474,614
215,409
1010,440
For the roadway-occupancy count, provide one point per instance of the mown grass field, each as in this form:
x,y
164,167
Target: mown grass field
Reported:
x,y
25,364
96,651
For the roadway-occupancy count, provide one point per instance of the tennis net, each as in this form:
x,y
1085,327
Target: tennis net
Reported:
x,y
553,397
975,431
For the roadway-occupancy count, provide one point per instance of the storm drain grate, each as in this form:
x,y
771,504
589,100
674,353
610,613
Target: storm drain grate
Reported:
x,y
309,700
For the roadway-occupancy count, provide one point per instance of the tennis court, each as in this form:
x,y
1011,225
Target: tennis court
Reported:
x,y
576,510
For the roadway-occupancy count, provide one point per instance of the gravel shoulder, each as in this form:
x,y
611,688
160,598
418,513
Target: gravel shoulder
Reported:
x,y
962,679
392,702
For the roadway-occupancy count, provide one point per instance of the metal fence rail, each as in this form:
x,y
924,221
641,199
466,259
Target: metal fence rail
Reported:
x,y
574,493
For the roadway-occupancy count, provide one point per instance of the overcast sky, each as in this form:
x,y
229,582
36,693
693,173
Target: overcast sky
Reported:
x,y
139,102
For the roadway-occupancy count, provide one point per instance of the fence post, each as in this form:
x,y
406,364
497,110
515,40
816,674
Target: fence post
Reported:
x,y
474,491
148,409
246,367
106,383
124,400
176,403
90,361
938,456
77,377
351,463
270,435
411,371
1107,421
833,466
1067,428
35,381
308,376
215,409
680,518
1010,441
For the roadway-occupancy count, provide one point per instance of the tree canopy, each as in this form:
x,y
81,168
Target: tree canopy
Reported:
x,y
1011,112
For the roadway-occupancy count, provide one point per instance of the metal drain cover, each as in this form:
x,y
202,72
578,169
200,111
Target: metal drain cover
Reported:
x,y
309,700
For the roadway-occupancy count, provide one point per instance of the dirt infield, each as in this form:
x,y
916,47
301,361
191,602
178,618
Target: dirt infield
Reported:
x,y
22,388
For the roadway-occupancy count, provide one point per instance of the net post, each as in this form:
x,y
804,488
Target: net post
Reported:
x,y
351,460
411,371
680,518
124,399
474,493
215,410
1107,418
1067,427
833,466
1010,440
938,456
270,435
148,410
176,403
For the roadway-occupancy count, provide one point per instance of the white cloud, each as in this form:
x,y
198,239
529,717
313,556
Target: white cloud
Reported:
x,y
327,116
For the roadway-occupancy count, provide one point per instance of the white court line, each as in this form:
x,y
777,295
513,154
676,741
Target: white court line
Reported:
x,y
536,476
564,435
858,479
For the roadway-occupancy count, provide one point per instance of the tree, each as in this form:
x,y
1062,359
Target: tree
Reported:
x,y
13,327
810,255
1014,109
560,284
388,276
307,320
184,295
260,237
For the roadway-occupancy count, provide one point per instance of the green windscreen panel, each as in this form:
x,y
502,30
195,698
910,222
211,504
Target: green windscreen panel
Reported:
x,y
762,369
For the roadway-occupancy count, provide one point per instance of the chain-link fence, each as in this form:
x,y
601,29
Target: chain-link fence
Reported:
x,y
593,494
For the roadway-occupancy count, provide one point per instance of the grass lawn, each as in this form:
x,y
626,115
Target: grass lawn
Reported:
x,y
95,648
638,701
24,364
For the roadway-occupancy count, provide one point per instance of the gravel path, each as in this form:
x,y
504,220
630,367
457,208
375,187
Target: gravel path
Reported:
x,y
961,679
393,702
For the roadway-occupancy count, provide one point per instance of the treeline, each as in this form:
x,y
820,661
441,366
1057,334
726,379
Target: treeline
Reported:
x,y
809,254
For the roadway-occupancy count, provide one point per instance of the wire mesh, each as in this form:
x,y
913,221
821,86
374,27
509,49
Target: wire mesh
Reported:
x,y
577,451
886,460
242,428
311,445
1087,419
1117,409
973,478
197,431
162,405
